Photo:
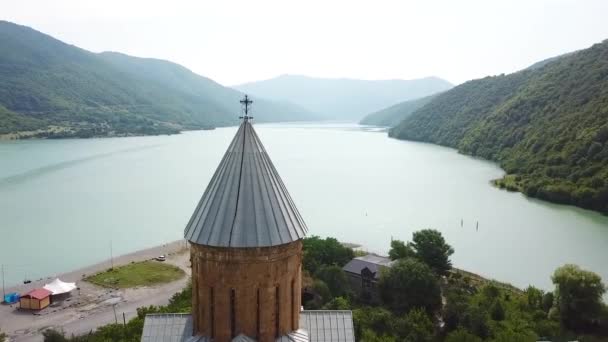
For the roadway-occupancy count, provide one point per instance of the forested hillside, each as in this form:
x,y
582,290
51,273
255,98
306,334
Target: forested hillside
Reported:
x,y
547,126
178,78
393,115
44,81
12,122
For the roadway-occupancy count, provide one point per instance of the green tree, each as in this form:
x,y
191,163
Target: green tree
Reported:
x,y
513,336
535,297
51,335
475,319
328,251
335,278
322,295
370,336
490,292
547,301
408,284
418,327
375,319
498,311
401,250
461,335
578,295
431,248
337,303
2,336
456,306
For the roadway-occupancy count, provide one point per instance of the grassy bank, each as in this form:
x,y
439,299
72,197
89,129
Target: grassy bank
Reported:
x,y
145,273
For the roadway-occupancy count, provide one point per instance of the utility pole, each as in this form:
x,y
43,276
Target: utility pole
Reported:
x,y
111,256
3,291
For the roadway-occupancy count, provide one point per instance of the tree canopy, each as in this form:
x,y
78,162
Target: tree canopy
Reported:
x,y
401,250
335,278
410,284
328,251
417,327
462,335
428,246
578,295
431,248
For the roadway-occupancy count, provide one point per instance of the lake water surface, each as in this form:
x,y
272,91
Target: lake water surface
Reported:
x,y
63,202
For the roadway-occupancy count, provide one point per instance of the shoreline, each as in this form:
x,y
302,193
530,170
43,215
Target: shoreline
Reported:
x,y
504,180
91,306
80,273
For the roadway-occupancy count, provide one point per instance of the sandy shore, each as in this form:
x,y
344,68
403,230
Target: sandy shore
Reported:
x,y
92,306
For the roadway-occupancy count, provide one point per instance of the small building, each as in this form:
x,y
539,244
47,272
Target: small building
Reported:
x,y
364,273
36,299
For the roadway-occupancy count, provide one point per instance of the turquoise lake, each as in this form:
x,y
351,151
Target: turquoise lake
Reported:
x,y
64,202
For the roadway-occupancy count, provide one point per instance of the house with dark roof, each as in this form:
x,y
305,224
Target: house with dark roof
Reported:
x,y
364,273
246,251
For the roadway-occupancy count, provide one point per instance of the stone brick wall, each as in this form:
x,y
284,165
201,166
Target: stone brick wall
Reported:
x,y
253,291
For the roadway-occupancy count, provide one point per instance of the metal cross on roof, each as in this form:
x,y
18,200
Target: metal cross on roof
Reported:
x,y
246,102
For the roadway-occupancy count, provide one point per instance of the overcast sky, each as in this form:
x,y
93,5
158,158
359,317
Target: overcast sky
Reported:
x,y
239,41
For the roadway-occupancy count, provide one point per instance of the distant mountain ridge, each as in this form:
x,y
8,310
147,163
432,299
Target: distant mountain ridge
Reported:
x,y
546,125
346,99
393,115
45,82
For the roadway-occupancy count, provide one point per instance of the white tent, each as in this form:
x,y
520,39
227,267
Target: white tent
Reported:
x,y
59,287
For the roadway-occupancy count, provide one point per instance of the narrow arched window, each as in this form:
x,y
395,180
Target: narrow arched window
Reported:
x,y
293,304
277,304
211,311
257,322
233,312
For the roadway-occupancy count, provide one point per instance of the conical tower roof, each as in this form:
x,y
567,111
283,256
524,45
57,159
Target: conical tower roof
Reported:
x,y
246,203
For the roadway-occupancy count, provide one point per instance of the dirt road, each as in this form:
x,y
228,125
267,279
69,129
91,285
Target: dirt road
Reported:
x,y
92,306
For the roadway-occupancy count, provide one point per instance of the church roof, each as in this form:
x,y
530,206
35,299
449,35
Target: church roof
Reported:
x,y
315,326
246,203
374,263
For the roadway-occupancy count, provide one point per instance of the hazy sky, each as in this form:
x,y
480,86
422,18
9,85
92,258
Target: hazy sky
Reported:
x,y
238,41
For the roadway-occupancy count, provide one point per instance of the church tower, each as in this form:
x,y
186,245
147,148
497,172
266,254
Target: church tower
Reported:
x,y
246,249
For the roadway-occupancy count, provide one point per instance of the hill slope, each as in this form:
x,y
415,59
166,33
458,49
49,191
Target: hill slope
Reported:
x,y
547,126
101,94
345,99
178,78
393,115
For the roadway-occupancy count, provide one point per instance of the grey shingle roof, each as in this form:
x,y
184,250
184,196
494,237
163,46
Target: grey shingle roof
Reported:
x,y
246,203
168,327
299,335
328,325
373,262
315,326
